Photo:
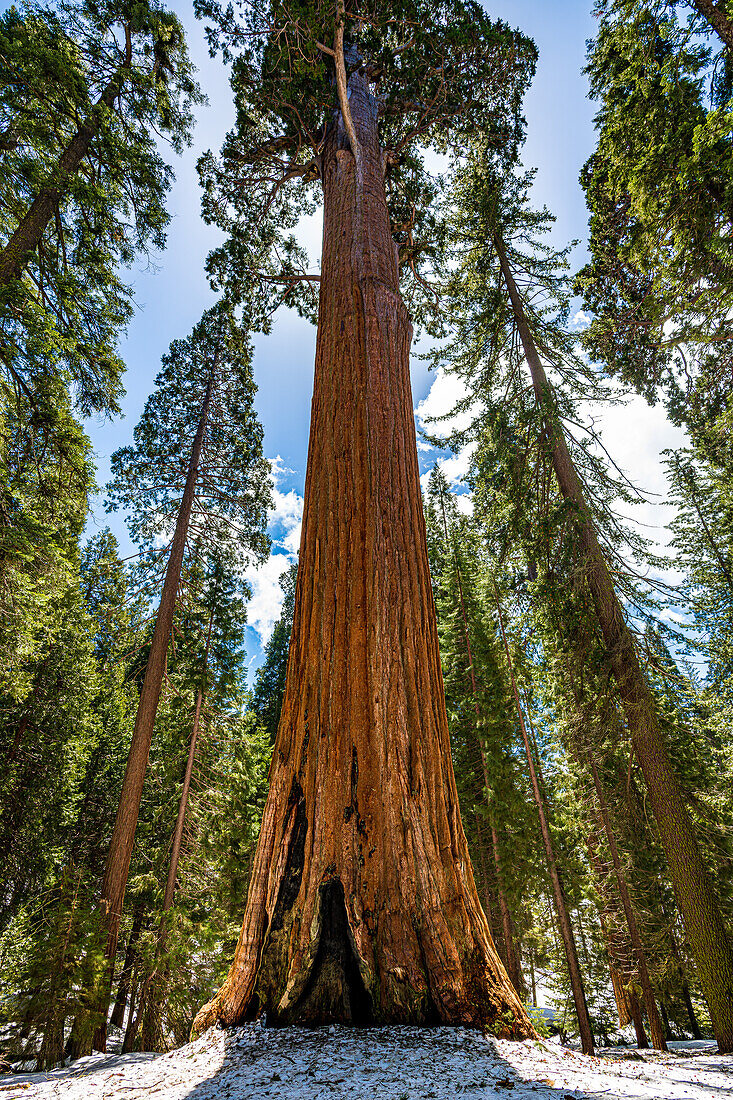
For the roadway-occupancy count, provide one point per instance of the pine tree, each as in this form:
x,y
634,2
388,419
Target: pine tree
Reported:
x,y
84,90
209,494
658,186
269,686
493,222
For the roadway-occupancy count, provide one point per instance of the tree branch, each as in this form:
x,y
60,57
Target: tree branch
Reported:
x,y
341,86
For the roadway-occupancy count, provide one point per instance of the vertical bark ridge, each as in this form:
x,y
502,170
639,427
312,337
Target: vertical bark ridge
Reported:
x,y
363,723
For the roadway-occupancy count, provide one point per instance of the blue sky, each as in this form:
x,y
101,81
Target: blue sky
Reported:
x,y
172,296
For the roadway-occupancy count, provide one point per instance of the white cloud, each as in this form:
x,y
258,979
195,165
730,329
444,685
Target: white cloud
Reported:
x,y
635,434
285,522
456,466
279,469
263,610
287,511
446,391
580,320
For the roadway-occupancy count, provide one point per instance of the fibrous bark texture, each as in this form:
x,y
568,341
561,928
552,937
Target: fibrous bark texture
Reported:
x,y
362,907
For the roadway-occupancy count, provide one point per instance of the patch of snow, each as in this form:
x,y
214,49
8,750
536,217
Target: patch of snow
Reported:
x,y
395,1063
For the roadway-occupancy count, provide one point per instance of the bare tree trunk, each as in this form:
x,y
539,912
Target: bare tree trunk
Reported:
x,y
133,1017
27,236
362,905
685,989
154,994
488,903
123,835
655,1024
531,975
558,893
510,949
118,1012
696,898
620,966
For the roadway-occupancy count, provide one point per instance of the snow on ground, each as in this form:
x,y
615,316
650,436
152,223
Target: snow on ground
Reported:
x,y
398,1063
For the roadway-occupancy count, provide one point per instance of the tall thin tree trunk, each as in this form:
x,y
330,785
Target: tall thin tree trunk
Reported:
x,y
488,903
531,975
362,905
655,1024
154,995
27,235
133,1016
511,959
629,1009
717,17
118,1012
510,949
558,893
123,835
685,989
693,886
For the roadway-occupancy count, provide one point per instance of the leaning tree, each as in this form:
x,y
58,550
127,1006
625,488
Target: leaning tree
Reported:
x,y
194,481
362,906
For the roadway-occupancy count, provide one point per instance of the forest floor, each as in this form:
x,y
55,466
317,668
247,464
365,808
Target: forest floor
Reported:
x,y
399,1063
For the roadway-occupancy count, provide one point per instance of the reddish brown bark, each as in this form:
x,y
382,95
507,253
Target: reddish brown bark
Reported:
x,y
558,893
362,905
123,834
700,909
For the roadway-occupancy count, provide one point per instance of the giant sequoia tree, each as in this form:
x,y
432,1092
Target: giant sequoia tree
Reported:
x,y
362,905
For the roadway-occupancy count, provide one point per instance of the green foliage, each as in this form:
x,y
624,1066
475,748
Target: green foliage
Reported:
x,y
61,319
438,71
232,491
658,187
269,687
45,478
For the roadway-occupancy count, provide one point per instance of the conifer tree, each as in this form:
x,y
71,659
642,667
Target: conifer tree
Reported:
x,y
221,615
196,477
85,90
363,919
491,309
658,186
269,686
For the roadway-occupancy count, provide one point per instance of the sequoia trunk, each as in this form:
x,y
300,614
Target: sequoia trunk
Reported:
x,y
704,925
362,906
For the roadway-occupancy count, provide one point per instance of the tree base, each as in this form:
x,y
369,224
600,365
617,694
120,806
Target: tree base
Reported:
x,y
338,988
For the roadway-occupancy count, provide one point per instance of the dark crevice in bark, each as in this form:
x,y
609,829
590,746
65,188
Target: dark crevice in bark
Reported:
x,y
293,875
335,991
